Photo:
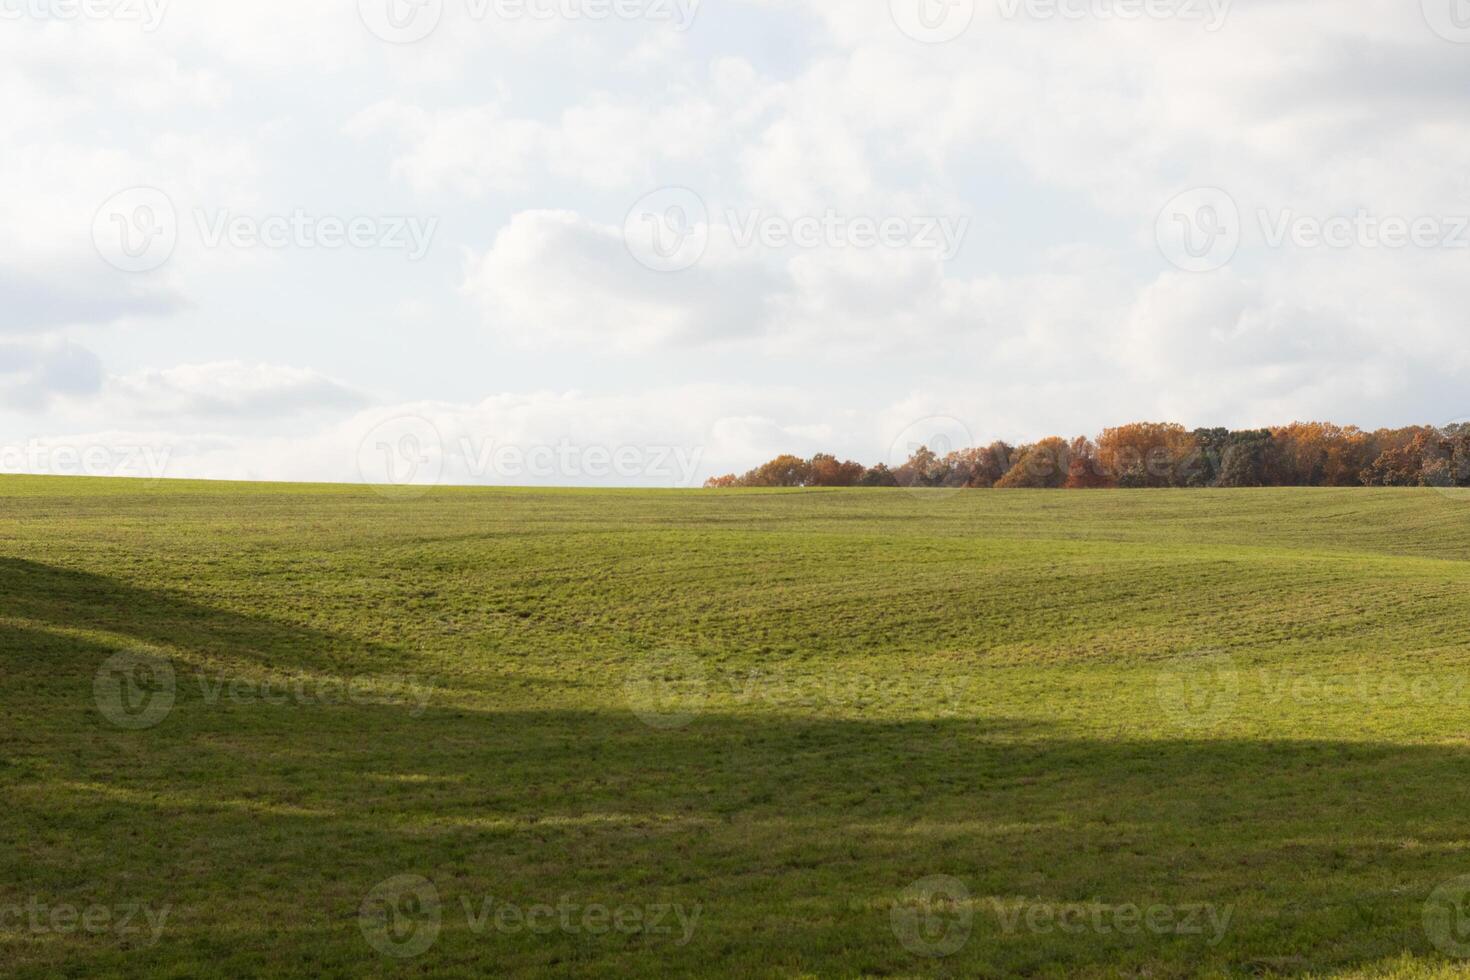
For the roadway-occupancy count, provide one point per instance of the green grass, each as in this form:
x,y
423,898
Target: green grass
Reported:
x,y
776,711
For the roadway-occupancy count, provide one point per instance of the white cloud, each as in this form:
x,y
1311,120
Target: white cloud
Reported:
x,y
483,149
1058,140
554,278
229,389
470,151
33,372
667,437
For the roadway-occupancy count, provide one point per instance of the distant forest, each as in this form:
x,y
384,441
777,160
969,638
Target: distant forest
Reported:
x,y
1155,454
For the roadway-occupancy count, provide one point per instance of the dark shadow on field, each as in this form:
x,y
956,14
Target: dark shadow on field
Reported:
x,y
796,836
70,599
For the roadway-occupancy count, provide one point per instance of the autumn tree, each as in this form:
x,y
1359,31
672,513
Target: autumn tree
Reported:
x,y
783,471
877,476
1399,456
923,469
1152,454
825,471
1317,454
1042,466
1145,454
988,465
1084,470
1451,464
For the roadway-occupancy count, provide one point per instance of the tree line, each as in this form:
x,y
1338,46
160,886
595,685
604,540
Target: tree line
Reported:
x,y
1158,454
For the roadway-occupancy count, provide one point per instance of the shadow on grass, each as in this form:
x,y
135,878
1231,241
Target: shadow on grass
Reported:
x,y
796,837
69,599
264,825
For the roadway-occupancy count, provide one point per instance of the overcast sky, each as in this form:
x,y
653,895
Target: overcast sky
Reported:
x,y
645,241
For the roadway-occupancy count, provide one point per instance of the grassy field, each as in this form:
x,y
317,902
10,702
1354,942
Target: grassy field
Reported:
x,y
322,731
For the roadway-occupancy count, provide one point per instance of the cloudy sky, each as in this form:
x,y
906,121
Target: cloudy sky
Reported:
x,y
645,241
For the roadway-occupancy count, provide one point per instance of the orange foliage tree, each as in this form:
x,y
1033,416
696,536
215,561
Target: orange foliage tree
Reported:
x,y
1085,471
826,471
1043,466
1146,454
1158,454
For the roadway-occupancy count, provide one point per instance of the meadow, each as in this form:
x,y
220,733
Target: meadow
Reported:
x,y
339,732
